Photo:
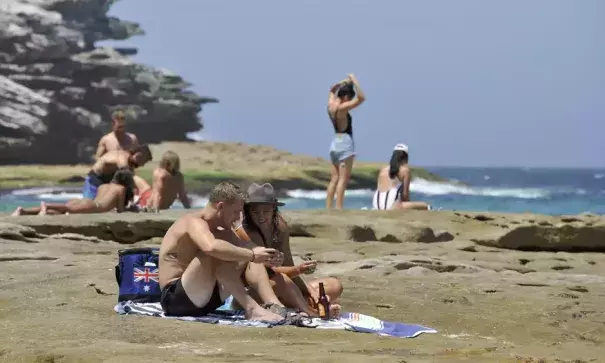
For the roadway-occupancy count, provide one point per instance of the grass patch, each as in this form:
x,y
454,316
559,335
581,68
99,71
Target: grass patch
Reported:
x,y
363,176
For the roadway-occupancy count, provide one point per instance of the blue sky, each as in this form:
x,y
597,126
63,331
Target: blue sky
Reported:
x,y
463,83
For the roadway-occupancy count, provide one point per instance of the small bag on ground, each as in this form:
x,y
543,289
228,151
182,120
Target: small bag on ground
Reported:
x,y
137,275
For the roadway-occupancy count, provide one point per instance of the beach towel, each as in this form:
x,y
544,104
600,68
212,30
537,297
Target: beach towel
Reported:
x,y
224,316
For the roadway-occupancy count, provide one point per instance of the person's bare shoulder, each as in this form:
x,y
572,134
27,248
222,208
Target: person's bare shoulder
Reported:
x,y
133,138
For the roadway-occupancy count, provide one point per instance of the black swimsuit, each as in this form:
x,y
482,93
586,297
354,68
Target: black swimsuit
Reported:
x,y
348,129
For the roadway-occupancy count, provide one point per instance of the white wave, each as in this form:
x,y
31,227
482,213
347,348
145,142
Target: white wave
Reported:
x,y
599,176
321,194
426,187
39,191
59,196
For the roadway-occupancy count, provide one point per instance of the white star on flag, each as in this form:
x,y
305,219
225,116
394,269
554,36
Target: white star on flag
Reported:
x,y
146,288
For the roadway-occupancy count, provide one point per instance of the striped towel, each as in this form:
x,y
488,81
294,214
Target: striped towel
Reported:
x,y
347,321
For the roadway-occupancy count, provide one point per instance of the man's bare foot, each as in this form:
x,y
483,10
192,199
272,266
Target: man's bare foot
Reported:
x,y
335,310
261,314
43,209
17,212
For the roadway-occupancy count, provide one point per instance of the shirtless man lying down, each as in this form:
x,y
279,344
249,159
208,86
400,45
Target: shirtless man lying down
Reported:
x,y
201,262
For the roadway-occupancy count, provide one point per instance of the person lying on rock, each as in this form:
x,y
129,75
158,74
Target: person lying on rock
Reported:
x,y
393,184
263,224
168,183
115,195
202,262
104,168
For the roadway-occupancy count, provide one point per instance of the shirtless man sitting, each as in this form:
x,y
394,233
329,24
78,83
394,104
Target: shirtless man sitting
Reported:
x,y
103,169
201,261
118,138
168,183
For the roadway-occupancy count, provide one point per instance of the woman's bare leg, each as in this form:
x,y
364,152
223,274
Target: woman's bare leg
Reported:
x,y
334,175
344,175
413,205
333,289
287,292
141,184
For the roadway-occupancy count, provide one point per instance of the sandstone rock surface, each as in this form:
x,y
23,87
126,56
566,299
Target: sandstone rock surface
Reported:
x,y
58,89
496,303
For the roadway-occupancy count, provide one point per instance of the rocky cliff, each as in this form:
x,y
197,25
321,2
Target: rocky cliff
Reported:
x,y
57,89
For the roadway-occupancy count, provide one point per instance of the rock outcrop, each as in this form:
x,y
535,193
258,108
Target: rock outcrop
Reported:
x,y
57,90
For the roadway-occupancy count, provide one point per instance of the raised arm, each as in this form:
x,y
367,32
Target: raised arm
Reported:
x,y
182,193
349,105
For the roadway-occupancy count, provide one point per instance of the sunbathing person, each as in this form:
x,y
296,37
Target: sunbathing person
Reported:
x,y
201,262
263,225
393,184
115,195
168,183
103,169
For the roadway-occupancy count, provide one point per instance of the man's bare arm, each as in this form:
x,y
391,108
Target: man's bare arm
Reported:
x,y
101,148
122,161
223,250
182,193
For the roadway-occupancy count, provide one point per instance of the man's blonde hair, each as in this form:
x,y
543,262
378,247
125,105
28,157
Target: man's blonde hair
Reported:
x,y
171,162
226,192
118,115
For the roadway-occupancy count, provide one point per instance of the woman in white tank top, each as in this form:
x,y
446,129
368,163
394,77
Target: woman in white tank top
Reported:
x,y
393,184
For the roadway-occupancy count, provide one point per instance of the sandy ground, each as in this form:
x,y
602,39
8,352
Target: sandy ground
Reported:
x,y
489,304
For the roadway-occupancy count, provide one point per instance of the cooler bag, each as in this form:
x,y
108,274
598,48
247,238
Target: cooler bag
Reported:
x,y
137,275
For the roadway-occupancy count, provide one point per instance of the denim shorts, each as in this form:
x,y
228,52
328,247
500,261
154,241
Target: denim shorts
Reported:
x,y
342,148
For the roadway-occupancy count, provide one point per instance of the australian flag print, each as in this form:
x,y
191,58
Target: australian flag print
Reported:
x,y
137,275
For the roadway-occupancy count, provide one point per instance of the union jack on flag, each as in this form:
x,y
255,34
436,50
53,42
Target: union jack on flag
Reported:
x,y
146,275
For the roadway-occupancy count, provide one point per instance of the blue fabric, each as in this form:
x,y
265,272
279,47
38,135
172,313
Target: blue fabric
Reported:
x,y
342,147
224,316
89,190
138,276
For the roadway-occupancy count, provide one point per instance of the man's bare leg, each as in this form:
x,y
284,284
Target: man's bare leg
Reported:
x,y
256,275
201,276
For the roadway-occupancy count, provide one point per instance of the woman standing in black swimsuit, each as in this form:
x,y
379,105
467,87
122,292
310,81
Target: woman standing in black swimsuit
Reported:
x,y
342,150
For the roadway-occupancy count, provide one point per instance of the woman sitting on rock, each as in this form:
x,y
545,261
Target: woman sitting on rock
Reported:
x,y
393,184
115,195
263,225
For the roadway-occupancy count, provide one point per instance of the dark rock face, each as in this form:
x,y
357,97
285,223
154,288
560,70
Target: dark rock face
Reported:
x,y
57,90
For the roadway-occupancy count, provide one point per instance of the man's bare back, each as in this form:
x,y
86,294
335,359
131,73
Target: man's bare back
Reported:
x,y
178,249
113,142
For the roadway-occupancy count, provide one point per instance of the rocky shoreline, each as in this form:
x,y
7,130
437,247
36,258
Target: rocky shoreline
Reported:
x,y
58,89
497,287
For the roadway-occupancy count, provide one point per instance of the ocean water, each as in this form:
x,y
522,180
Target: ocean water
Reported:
x,y
536,190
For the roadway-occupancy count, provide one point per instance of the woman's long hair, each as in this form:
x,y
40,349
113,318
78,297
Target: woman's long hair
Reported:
x,y
247,221
398,158
125,178
345,89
